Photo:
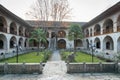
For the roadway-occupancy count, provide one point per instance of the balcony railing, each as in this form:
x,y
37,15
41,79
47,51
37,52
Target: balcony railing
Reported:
x,y
87,35
13,32
118,28
107,31
3,30
96,33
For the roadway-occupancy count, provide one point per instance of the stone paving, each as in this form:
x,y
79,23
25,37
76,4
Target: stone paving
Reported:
x,y
56,70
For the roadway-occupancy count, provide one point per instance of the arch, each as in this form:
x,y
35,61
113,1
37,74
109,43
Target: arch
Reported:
x,y
97,29
13,28
78,43
3,24
26,43
108,26
20,42
87,43
61,34
61,44
13,41
21,31
87,33
27,33
53,34
108,43
3,41
97,43
118,23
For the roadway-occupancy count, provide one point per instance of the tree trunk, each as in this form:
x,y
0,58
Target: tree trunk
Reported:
x,y
38,48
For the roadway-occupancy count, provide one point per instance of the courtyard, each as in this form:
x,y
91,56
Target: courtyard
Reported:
x,y
55,69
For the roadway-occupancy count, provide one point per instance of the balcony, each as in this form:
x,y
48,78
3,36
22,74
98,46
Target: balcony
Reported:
x,y
3,30
96,33
107,31
87,35
13,32
118,28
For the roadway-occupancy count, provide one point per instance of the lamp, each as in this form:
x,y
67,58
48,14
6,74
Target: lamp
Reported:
x,y
15,45
92,47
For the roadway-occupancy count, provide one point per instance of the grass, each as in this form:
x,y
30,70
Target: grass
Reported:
x,y
27,58
81,57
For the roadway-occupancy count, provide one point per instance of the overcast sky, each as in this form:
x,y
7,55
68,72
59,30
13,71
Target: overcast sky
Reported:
x,y
82,10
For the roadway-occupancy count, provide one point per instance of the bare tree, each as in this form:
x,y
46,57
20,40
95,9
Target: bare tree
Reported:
x,y
50,10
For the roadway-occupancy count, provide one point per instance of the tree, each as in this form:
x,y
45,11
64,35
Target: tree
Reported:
x,y
74,33
39,35
50,10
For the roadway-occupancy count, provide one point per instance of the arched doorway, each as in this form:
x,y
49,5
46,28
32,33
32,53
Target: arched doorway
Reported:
x,y
3,41
13,41
78,43
87,33
45,45
53,34
108,26
21,31
21,43
87,43
97,29
97,43
61,44
13,28
108,43
3,24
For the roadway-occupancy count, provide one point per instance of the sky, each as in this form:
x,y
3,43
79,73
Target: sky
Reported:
x,y
82,10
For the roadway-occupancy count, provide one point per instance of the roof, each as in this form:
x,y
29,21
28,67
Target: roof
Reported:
x,y
52,23
103,15
8,13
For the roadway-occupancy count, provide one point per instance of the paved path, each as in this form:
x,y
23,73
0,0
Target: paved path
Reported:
x,y
55,69
55,56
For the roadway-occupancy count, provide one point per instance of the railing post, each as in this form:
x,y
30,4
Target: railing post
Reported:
x,y
101,69
84,67
5,68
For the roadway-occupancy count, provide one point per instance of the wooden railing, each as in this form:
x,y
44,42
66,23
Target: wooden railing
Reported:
x,y
3,30
118,28
107,31
96,33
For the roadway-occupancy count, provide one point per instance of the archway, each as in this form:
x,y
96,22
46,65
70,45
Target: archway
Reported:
x,y
61,34
78,43
26,43
13,41
21,31
27,33
108,26
87,33
108,43
3,24
97,29
97,43
21,43
87,43
53,34
13,28
3,41
61,44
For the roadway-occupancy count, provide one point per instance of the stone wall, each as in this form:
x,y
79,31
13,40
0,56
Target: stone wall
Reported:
x,y
93,67
21,68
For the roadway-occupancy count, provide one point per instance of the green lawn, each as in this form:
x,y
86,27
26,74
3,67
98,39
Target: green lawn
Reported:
x,y
27,58
81,57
